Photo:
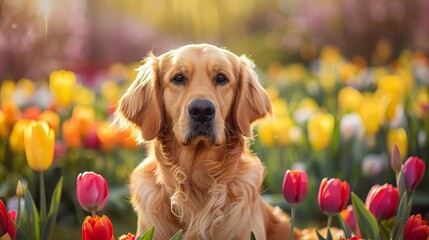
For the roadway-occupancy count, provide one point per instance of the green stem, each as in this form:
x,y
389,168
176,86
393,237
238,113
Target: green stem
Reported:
x,y
18,214
42,196
292,221
329,221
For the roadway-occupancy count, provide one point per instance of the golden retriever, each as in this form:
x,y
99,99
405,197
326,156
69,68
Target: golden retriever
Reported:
x,y
195,106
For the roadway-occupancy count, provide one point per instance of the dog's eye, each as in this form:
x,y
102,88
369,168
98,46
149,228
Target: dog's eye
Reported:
x,y
221,79
178,79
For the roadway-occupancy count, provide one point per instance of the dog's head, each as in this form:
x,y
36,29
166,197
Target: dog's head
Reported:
x,y
199,91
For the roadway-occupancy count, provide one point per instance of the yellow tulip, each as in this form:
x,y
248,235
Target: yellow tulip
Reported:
x,y
62,84
7,90
267,132
84,96
347,72
39,141
394,88
330,54
4,126
284,126
398,137
27,86
295,73
371,113
349,100
320,128
11,112
110,91
280,107
16,138
422,102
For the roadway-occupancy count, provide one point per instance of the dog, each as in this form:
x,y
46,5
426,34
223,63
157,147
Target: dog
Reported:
x,y
194,108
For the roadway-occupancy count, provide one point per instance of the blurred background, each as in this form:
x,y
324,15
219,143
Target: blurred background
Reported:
x,y
355,72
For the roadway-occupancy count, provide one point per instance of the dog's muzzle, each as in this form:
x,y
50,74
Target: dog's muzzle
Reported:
x,y
202,113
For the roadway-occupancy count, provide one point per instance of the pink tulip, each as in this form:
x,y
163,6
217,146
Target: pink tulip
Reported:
x,y
382,201
333,195
92,191
414,170
416,228
295,184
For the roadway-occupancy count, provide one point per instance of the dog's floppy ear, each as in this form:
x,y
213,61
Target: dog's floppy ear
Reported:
x,y
252,102
141,105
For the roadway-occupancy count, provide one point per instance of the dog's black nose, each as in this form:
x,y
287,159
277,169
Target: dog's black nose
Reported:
x,y
201,110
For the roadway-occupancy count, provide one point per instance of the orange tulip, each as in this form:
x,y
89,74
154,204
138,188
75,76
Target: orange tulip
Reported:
x,y
84,117
11,112
31,113
39,141
71,134
97,228
127,140
107,133
4,126
52,118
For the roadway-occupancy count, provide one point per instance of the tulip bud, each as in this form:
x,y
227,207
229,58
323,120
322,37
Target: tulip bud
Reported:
x,y
92,191
19,190
395,159
382,201
333,195
414,170
416,228
295,184
97,228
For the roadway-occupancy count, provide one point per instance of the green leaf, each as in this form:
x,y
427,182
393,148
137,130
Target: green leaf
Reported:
x,y
53,210
367,223
399,224
30,222
178,235
320,237
402,187
344,226
329,235
149,234
252,236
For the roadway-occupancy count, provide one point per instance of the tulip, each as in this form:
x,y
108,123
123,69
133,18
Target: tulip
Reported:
x,y
382,201
52,118
7,90
97,228
395,159
92,191
31,113
349,100
110,91
127,140
333,195
11,228
107,133
16,138
71,135
370,113
128,236
349,216
11,112
267,132
416,228
295,184
414,170
280,107
4,126
84,117
284,126
320,128
39,141
393,87
62,84
4,219
398,137
92,141
84,96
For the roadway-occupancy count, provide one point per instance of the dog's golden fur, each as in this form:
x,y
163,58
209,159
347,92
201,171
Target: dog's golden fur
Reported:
x,y
205,182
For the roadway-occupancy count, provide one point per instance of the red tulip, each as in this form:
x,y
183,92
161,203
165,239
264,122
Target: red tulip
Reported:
x,y
333,195
11,228
92,191
382,201
349,216
295,184
416,228
414,169
97,228
4,219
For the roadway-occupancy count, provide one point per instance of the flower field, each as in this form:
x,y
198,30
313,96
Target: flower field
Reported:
x,y
334,118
